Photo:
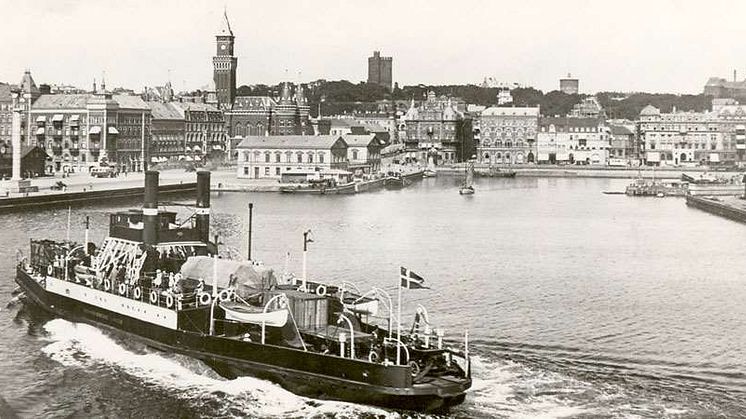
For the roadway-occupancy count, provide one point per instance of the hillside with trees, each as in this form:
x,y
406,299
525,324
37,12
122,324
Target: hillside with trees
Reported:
x,y
342,96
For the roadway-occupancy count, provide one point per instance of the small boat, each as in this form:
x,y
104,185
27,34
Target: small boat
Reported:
x,y
467,187
246,313
363,305
395,181
429,173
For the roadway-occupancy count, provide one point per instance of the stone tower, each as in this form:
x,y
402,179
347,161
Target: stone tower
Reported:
x,y
224,65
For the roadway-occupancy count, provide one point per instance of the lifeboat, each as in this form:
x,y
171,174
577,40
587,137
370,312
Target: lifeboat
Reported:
x,y
246,313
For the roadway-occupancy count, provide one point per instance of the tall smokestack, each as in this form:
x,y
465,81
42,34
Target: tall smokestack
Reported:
x,y
203,205
150,209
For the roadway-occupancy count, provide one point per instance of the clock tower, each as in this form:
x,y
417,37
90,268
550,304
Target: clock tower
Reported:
x,y
224,65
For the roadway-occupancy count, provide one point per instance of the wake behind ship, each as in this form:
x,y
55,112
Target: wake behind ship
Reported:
x,y
160,279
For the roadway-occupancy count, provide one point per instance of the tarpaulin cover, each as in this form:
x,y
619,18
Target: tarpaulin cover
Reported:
x,y
250,278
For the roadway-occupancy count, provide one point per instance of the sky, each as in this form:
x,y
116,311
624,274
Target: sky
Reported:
x,y
652,45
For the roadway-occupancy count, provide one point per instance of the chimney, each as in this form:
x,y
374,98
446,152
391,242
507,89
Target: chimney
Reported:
x,y
203,205
150,209
734,75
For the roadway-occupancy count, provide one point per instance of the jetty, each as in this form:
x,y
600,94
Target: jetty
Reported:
x,y
730,207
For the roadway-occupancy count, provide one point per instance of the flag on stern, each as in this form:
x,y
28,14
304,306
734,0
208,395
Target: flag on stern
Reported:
x,y
411,280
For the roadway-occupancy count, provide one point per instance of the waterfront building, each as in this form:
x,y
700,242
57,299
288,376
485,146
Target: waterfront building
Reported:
x,y
621,145
167,132
564,140
33,162
380,70
204,131
570,85
688,137
507,135
268,157
436,131
364,153
79,131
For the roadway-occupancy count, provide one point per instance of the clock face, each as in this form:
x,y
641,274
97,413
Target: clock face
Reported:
x,y
222,46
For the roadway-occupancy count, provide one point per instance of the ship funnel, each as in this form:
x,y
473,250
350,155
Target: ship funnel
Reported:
x,y
203,206
150,209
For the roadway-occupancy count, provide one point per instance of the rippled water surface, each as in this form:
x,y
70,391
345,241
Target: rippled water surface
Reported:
x,y
578,304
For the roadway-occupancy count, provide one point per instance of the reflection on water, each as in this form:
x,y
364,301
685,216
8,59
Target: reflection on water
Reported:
x,y
577,303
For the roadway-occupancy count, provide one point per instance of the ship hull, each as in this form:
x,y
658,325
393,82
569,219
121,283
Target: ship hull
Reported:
x,y
304,373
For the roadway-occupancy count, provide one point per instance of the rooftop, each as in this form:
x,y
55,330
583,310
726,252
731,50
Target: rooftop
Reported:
x,y
565,121
162,110
513,111
194,106
130,102
360,140
291,141
64,101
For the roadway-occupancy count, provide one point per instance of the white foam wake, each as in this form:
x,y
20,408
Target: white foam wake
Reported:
x,y
82,345
508,389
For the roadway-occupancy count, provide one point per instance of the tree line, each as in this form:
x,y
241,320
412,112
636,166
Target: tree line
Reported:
x,y
342,96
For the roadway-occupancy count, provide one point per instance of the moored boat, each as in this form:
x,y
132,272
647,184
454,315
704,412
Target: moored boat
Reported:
x,y
161,281
656,188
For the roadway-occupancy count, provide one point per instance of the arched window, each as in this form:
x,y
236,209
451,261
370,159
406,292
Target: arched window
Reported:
x,y
239,130
354,154
300,157
266,156
486,156
321,157
310,157
277,156
246,156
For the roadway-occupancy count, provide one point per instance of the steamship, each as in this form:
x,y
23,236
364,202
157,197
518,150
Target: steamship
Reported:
x,y
160,280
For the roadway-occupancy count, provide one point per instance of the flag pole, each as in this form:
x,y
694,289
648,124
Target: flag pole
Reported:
x,y
398,324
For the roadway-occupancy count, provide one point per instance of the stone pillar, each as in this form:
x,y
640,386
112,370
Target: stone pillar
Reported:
x,y
16,143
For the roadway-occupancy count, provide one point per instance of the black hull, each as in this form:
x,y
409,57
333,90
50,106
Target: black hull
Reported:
x,y
303,373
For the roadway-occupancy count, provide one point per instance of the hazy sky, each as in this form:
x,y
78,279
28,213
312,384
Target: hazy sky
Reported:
x,y
657,46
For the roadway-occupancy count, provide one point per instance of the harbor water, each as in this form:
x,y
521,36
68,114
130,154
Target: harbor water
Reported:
x,y
578,304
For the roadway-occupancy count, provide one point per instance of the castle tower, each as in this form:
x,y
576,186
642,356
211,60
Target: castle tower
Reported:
x,y
224,65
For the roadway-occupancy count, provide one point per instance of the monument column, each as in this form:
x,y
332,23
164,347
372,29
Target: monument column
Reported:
x,y
15,138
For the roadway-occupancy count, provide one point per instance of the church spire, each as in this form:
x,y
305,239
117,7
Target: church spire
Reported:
x,y
225,28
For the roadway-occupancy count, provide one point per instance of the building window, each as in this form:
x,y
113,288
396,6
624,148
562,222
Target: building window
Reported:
x,y
266,157
354,154
277,157
310,157
266,171
300,157
246,170
277,171
321,157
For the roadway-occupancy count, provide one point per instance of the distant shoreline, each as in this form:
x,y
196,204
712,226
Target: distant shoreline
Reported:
x,y
597,171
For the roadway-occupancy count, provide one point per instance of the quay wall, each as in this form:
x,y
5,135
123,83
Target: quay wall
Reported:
x,y
593,172
732,208
55,199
